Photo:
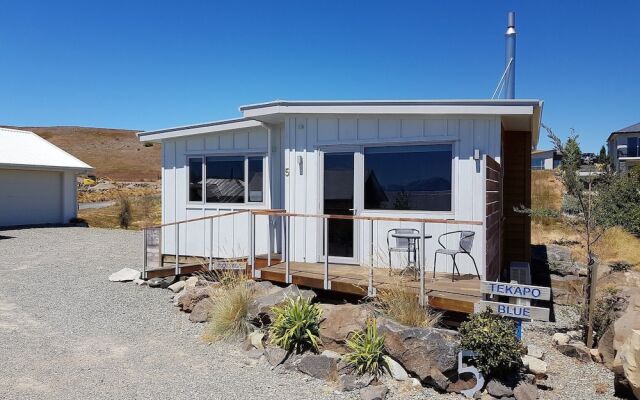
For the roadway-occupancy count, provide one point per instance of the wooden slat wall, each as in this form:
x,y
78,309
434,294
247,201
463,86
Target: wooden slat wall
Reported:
x,y
516,161
493,187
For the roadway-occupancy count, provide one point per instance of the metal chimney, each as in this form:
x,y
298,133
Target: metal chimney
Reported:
x,y
510,56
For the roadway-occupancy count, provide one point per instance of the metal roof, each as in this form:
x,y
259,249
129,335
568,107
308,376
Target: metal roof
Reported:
x,y
635,128
26,150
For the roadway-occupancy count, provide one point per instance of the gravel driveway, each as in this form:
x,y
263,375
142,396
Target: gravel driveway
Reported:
x,y
68,333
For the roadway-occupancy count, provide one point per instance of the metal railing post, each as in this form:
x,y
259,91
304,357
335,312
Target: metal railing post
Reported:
x,y
423,263
327,285
371,290
177,249
144,256
210,244
287,236
251,249
269,240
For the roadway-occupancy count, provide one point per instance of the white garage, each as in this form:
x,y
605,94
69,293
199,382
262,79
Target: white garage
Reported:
x,y
37,180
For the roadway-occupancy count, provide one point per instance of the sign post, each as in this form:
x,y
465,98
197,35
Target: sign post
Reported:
x,y
517,311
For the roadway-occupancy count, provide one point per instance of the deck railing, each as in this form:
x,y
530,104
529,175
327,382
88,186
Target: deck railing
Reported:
x,y
285,254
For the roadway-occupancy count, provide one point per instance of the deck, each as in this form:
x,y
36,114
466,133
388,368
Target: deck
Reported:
x,y
442,293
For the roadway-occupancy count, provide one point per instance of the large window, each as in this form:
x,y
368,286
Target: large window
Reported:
x,y
633,149
408,177
226,179
537,163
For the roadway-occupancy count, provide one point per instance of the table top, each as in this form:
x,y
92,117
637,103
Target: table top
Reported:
x,y
410,235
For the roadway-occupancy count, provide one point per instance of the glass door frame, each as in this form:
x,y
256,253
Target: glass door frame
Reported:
x,y
358,200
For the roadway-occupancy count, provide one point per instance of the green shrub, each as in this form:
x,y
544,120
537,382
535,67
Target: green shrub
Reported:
x,y
570,205
296,325
618,201
620,266
492,338
124,213
604,312
367,348
229,312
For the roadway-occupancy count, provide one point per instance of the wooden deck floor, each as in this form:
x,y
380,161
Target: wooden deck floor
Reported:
x,y
443,294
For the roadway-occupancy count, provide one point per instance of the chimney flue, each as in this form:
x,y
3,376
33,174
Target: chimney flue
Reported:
x,y
510,56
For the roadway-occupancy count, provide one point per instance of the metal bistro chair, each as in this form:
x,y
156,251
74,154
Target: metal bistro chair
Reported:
x,y
464,247
405,245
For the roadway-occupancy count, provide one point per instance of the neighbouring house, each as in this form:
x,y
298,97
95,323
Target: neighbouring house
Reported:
x,y
37,180
624,147
545,159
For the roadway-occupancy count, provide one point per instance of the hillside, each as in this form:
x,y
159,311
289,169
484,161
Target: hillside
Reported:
x,y
114,153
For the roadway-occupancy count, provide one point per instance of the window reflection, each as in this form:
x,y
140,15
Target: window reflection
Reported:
x,y
225,180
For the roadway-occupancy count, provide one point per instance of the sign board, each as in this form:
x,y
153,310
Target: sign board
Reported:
x,y
228,265
152,240
515,290
513,310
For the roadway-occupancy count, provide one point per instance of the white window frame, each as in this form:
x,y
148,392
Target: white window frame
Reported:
x,y
246,156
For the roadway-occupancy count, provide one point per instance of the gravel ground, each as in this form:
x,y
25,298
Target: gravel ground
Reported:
x,y
67,333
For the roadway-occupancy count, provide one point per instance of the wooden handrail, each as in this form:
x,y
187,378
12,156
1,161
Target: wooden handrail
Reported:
x,y
366,218
196,219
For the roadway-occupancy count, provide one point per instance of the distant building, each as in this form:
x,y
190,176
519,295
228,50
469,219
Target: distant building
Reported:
x,y
624,147
545,159
37,180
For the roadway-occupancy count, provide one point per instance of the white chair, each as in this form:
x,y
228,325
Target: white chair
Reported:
x,y
404,245
465,243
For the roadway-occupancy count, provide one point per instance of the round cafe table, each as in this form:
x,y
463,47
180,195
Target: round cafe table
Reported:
x,y
413,240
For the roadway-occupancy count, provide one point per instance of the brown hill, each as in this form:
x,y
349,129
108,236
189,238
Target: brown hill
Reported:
x,y
114,153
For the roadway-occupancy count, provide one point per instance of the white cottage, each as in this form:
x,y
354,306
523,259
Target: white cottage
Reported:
x,y
374,166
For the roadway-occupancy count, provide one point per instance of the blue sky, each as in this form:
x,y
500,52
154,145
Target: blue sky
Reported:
x,y
146,65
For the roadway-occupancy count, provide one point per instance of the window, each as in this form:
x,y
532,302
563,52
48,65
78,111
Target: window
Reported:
x,y
537,163
195,179
228,179
408,177
632,147
254,178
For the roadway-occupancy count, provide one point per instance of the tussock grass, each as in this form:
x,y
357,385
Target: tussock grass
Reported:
x,y
229,309
403,307
619,245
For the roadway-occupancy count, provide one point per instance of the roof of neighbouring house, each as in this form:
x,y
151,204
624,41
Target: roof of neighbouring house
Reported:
x,y
635,128
26,150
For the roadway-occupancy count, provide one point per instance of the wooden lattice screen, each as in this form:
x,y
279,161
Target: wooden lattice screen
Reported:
x,y
493,226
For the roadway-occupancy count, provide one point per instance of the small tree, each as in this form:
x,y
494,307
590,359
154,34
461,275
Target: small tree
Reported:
x,y
602,156
124,213
585,220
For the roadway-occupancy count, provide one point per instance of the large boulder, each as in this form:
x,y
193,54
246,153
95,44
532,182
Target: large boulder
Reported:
x,y
192,296
318,366
339,321
576,350
629,356
200,312
558,259
378,392
263,303
628,320
568,290
428,353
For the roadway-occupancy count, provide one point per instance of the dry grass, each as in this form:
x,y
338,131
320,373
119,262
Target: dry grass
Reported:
x,y
145,211
402,306
616,245
86,196
229,308
546,190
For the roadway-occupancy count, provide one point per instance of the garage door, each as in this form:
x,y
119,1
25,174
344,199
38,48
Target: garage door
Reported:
x,y
30,197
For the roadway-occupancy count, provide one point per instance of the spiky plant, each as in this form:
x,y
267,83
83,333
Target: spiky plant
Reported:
x,y
367,350
296,325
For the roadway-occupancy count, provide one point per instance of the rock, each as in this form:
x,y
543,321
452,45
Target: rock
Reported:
x,y
349,382
262,304
176,287
629,319
275,355
576,350
535,351
255,338
338,322
318,366
176,298
125,275
560,339
463,382
140,282
575,335
254,354
525,391
191,282
630,361
415,382
396,370
378,392
331,354
200,312
498,389
161,282
535,365
192,296
595,355
568,290
605,346
428,353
